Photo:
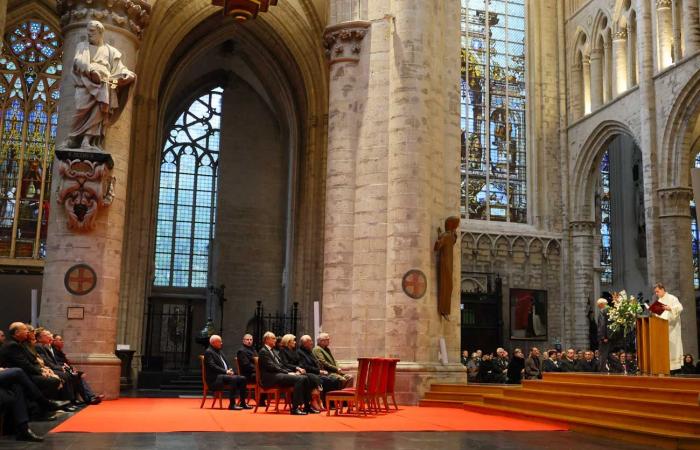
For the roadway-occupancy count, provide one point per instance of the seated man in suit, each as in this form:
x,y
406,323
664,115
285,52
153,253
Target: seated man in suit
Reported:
x,y
245,358
533,365
551,364
16,354
568,363
220,375
61,358
322,352
588,363
273,374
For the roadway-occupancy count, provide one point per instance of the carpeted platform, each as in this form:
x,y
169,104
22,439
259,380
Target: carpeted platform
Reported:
x,y
131,415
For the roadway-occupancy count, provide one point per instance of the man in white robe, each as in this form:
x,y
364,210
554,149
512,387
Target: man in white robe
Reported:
x,y
101,88
672,313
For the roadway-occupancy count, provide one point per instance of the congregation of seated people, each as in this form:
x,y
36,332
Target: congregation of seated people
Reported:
x,y
309,370
37,380
500,368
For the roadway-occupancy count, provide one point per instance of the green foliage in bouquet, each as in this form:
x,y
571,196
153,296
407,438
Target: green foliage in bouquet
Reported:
x,y
622,315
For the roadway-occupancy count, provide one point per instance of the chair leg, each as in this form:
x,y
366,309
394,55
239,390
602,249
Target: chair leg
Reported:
x,y
221,400
213,400
393,399
204,399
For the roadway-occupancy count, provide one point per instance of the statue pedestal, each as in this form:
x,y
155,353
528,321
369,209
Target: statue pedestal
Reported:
x,y
85,186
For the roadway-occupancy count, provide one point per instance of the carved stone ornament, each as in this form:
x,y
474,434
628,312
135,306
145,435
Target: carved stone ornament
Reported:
x,y
620,34
85,185
343,41
131,15
663,4
581,227
242,10
674,201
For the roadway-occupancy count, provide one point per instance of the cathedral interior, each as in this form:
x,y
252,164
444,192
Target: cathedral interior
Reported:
x,y
294,160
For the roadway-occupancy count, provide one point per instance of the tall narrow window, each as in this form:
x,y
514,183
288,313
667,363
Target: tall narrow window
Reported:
x,y
187,194
494,160
695,235
30,70
605,210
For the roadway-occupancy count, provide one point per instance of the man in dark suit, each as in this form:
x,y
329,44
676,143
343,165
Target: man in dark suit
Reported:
x,y
245,356
15,354
220,375
588,363
71,385
273,373
568,363
12,399
61,358
533,365
551,364
603,336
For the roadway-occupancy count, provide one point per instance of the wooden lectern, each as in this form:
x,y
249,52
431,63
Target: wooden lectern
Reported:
x,y
652,346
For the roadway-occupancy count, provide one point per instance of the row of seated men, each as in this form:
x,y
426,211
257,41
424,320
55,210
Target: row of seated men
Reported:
x,y
311,371
37,379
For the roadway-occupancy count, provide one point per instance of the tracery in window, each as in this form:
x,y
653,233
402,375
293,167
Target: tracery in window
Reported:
x,y
187,194
30,71
494,160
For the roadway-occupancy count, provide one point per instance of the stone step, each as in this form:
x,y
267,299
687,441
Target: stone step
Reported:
x,y
456,396
473,388
683,384
641,404
615,391
618,417
442,403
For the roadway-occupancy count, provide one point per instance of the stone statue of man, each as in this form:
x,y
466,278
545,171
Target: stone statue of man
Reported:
x,y
101,89
445,263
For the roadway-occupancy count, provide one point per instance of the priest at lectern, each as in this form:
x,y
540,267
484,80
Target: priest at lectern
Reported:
x,y
672,309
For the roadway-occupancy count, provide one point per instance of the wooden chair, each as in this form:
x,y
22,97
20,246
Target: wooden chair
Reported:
x,y
214,393
390,382
355,397
376,383
272,393
248,386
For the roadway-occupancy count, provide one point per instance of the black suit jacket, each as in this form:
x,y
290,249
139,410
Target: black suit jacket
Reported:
x,y
48,358
213,366
269,368
308,361
603,325
245,360
15,354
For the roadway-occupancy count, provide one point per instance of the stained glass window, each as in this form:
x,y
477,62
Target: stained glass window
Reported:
x,y
30,72
695,236
494,160
187,194
605,211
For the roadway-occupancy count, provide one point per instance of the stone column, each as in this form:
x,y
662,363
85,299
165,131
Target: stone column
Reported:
x,y
91,341
586,73
387,191
577,101
620,74
583,250
607,72
677,263
691,27
3,17
596,78
347,93
664,33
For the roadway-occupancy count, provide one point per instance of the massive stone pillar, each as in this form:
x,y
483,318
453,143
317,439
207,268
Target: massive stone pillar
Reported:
x,y
620,73
91,334
664,33
583,243
596,78
691,28
674,221
393,178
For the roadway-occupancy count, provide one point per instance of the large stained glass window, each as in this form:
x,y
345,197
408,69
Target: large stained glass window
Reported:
x,y
187,194
494,159
30,70
605,211
695,236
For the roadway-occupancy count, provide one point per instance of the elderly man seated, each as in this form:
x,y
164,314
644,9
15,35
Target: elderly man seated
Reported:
x,y
273,374
322,352
220,375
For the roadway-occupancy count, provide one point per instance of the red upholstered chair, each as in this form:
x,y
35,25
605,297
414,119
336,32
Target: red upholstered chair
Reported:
x,y
273,393
391,381
215,394
354,396
376,383
248,386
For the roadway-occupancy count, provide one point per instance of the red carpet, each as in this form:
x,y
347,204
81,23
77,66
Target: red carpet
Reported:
x,y
130,415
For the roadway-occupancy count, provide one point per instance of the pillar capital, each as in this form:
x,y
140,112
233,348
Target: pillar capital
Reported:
x,y
131,16
582,227
620,34
661,4
596,53
343,41
674,201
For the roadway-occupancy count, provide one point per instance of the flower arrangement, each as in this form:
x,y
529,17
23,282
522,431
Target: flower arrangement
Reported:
x,y
622,315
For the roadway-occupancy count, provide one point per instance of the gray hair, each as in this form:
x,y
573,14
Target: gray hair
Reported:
x,y
322,336
305,338
214,337
267,335
601,301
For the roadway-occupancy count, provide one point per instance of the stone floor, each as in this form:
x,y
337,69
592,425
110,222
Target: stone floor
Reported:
x,y
505,440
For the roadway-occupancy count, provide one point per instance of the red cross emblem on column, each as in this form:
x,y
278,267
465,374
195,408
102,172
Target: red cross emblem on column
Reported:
x,y
80,279
414,283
